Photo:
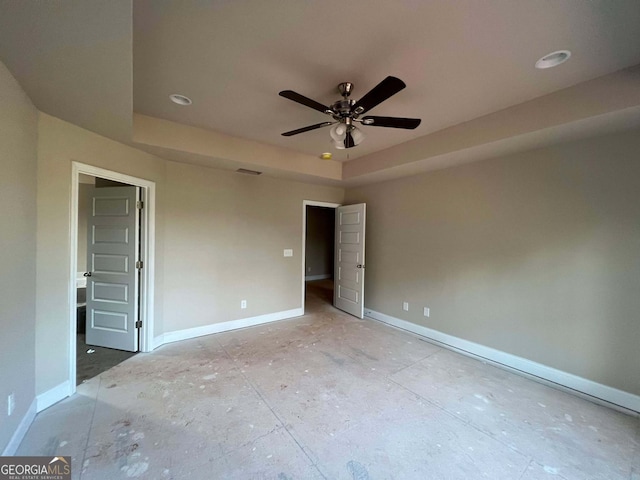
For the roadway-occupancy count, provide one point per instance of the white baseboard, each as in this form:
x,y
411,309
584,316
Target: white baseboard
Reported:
x,y
188,333
21,431
158,342
595,391
311,278
57,393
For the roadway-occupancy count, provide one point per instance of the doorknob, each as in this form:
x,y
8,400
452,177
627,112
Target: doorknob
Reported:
x,y
87,274
359,266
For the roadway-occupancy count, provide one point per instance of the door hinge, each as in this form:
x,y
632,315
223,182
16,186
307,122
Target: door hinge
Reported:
x,y
139,204
139,324
139,264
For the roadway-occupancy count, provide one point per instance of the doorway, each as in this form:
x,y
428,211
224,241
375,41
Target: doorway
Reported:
x,y
318,256
118,297
93,355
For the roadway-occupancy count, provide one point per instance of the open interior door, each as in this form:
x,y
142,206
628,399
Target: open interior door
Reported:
x,y
348,292
112,277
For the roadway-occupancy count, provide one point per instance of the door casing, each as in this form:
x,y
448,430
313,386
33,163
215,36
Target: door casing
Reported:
x,y
147,280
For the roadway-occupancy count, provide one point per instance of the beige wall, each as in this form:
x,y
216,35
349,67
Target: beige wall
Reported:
x,y
225,236
320,240
535,254
219,239
18,137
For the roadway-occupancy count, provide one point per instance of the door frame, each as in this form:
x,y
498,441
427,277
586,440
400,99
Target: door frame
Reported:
x,y
310,203
147,239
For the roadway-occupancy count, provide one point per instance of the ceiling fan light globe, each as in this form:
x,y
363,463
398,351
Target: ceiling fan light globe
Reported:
x,y
338,144
338,132
357,135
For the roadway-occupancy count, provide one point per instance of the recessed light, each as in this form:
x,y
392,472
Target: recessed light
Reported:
x,y
180,99
553,59
326,156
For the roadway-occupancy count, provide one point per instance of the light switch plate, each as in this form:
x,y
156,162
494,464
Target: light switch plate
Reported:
x,y
288,252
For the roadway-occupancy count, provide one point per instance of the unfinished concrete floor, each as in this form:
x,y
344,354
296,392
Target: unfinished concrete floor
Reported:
x,y
328,396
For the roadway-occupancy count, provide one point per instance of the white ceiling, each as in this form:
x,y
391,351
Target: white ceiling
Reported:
x,y
104,65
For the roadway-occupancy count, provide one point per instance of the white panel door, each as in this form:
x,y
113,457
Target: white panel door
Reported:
x,y
348,293
112,277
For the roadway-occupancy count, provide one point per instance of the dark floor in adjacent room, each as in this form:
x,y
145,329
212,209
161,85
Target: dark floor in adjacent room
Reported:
x,y
328,396
89,365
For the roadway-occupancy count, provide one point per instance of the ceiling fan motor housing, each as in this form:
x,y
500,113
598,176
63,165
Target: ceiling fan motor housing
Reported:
x,y
342,108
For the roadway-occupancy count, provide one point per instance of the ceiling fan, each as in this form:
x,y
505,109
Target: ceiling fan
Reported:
x,y
346,112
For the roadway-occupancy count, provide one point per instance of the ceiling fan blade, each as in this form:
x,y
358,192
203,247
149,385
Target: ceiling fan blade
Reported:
x,y
378,94
307,102
392,122
348,141
306,129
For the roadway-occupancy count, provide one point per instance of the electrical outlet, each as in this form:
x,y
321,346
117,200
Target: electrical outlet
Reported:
x,y
405,306
427,311
11,404
288,252
243,304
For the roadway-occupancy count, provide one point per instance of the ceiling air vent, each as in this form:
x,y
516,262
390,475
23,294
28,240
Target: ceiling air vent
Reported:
x,y
248,172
